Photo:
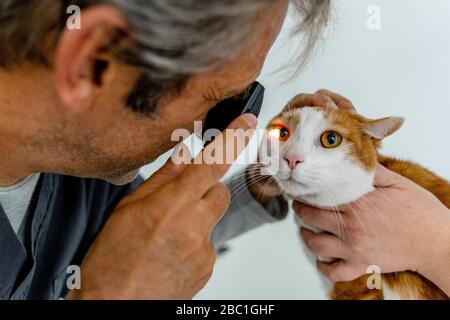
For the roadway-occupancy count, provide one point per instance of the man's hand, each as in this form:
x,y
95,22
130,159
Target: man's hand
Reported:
x,y
265,189
399,227
323,98
156,245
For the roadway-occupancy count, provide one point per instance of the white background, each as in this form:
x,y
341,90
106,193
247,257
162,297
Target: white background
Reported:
x,y
402,69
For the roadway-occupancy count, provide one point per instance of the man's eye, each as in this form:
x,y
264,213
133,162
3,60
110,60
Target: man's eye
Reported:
x,y
242,95
279,132
217,96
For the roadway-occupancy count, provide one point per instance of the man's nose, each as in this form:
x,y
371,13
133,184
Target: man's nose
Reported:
x,y
293,160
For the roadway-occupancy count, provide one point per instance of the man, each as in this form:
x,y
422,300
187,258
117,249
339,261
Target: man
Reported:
x,y
100,102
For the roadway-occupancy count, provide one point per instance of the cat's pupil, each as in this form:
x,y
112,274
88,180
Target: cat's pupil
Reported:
x,y
332,139
283,132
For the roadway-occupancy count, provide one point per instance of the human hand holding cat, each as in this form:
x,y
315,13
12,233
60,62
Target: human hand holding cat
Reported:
x,y
398,227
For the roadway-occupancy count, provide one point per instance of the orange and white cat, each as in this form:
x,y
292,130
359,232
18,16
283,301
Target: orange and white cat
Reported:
x,y
328,158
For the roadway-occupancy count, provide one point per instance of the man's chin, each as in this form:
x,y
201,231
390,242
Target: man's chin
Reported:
x,y
121,180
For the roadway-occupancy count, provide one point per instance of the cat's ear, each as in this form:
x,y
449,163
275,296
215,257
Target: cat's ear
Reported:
x,y
382,128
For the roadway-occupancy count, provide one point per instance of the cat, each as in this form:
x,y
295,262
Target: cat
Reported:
x,y
328,157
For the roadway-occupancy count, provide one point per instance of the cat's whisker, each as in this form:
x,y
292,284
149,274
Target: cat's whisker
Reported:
x,y
364,212
245,182
245,173
266,184
335,211
368,219
372,226
378,212
386,197
360,221
237,190
328,167
342,223
359,218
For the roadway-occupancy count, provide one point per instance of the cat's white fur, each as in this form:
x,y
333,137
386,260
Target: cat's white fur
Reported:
x,y
327,178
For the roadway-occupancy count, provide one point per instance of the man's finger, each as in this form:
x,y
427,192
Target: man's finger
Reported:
x,y
216,200
319,218
171,169
339,271
324,244
167,173
340,101
311,100
215,160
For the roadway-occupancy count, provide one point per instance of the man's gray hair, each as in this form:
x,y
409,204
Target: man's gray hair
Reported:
x,y
173,39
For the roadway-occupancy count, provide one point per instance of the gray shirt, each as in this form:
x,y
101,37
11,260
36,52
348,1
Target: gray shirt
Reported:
x,y
15,200
66,214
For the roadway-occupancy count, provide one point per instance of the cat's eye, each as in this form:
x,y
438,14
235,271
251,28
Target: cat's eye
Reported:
x,y
279,132
331,139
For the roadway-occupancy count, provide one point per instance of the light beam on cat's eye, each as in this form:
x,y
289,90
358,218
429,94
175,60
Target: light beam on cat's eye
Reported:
x,y
274,133
279,132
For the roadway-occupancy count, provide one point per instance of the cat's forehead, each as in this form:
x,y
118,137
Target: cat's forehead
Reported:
x,y
306,118
317,119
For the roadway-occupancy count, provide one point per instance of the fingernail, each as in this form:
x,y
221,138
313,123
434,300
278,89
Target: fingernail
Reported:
x,y
250,119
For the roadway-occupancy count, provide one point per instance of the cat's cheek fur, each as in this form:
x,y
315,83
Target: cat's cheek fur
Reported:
x,y
350,183
354,184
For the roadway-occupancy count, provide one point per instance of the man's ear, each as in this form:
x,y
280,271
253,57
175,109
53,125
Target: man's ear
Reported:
x,y
382,128
83,60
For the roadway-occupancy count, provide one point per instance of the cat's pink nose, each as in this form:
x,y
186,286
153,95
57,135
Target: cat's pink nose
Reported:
x,y
293,160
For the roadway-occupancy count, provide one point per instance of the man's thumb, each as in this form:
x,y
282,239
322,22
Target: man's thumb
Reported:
x,y
178,161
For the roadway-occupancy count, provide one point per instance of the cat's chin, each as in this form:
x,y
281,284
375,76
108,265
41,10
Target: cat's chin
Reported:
x,y
354,184
323,199
316,201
